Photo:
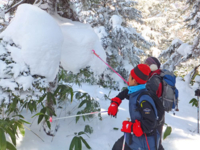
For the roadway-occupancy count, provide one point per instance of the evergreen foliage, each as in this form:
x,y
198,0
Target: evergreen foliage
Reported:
x,y
122,43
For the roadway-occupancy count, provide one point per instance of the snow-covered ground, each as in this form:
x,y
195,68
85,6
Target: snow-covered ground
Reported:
x,y
183,125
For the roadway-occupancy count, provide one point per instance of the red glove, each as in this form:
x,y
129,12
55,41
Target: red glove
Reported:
x,y
113,108
127,126
137,130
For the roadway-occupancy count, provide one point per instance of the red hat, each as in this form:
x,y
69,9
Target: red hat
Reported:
x,y
141,73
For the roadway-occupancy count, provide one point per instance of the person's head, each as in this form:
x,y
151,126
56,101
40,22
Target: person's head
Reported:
x,y
153,63
139,75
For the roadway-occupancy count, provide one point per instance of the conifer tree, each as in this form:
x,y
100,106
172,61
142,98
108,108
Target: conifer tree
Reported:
x,y
122,43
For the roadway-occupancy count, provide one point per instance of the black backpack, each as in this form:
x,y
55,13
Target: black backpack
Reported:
x,y
158,104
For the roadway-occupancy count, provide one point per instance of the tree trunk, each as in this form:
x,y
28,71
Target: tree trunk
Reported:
x,y
52,88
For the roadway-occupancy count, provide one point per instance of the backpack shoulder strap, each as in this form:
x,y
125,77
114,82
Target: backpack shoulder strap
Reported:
x,y
161,81
142,93
150,100
159,77
156,78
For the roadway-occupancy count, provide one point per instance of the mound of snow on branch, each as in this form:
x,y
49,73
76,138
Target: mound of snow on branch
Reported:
x,y
185,49
39,38
79,41
116,20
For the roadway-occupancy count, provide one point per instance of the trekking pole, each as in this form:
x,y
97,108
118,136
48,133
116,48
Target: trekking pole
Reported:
x,y
109,66
197,93
123,146
97,112
177,107
198,115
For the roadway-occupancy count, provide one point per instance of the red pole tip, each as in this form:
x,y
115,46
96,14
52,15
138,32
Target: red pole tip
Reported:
x,y
50,119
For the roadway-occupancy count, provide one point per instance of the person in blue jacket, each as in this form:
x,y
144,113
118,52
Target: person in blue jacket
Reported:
x,y
140,133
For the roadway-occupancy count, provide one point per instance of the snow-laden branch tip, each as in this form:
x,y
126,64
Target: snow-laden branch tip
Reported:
x,y
14,6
